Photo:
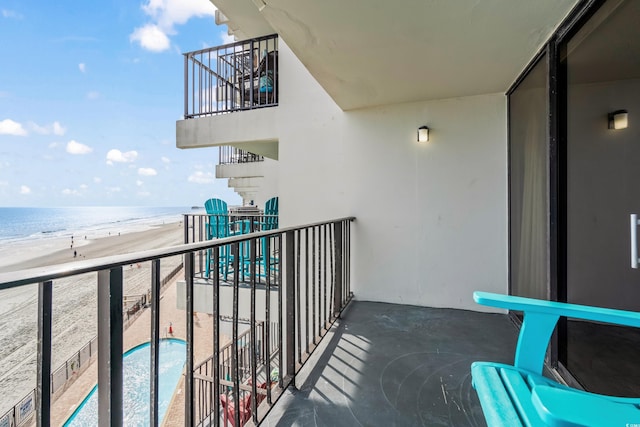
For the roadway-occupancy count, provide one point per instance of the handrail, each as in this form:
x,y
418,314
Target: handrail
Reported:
x,y
304,275
237,76
232,44
41,274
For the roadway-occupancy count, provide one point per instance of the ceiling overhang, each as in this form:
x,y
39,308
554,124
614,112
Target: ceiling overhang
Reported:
x,y
368,52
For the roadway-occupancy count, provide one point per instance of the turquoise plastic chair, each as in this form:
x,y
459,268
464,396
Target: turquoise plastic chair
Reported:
x,y
269,222
519,395
218,227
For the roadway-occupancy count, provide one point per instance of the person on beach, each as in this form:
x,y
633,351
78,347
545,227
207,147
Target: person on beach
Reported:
x,y
75,254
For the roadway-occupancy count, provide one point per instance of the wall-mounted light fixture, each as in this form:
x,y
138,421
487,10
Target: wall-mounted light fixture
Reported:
x,y
423,134
618,119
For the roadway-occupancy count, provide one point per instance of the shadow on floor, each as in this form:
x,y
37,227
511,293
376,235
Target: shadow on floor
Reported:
x,y
396,365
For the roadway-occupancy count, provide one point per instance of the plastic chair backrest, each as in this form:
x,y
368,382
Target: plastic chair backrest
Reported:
x,y
218,218
270,214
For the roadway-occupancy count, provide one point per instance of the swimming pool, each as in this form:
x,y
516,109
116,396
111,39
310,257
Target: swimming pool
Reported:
x,y
136,392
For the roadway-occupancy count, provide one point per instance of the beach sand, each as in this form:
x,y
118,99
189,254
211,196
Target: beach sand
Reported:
x,y
74,300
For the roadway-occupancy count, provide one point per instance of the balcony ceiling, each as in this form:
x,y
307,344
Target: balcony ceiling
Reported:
x,y
371,52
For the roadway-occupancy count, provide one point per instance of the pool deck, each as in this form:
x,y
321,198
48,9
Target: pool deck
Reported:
x,y
137,333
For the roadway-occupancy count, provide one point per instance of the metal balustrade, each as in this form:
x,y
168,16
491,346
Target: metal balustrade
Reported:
x,y
232,155
232,77
297,310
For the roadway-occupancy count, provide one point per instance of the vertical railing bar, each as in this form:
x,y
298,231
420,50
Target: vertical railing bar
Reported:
x,y
324,281
110,342
306,289
290,288
43,388
155,340
331,271
186,85
189,389
234,358
252,344
313,284
280,316
216,337
347,277
298,302
338,275
267,331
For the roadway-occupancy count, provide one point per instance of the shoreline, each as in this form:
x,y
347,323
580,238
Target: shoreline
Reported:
x,y
45,252
75,315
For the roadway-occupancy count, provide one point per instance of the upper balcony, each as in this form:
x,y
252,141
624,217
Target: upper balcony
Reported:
x,y
240,76
233,77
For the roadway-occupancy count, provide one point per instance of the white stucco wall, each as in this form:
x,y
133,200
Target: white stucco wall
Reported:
x,y
431,219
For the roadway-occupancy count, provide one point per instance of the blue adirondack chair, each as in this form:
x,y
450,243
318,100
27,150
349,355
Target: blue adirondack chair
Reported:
x,y
518,394
269,222
218,227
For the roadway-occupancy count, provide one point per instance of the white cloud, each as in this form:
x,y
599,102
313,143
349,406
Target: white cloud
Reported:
x,y
118,156
93,95
165,14
165,159
151,37
9,127
6,13
139,183
54,145
200,177
226,38
114,189
25,190
75,147
97,179
4,183
147,172
83,186
69,192
55,128
58,129
82,67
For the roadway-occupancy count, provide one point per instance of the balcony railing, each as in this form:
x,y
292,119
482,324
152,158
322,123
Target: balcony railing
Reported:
x,y
296,310
232,155
236,76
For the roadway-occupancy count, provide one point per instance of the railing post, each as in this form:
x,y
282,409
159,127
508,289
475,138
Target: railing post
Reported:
x,y
216,335
337,294
43,389
186,86
155,339
189,413
290,295
110,344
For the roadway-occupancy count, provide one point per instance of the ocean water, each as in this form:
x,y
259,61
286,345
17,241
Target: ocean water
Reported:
x,y
41,223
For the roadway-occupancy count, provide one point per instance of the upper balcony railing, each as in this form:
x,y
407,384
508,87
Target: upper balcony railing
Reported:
x,y
233,77
310,289
232,155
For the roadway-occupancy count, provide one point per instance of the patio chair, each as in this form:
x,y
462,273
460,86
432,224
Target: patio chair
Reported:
x,y
228,408
264,88
219,226
518,394
269,222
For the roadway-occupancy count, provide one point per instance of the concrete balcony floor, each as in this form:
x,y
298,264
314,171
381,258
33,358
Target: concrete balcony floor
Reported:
x,y
396,365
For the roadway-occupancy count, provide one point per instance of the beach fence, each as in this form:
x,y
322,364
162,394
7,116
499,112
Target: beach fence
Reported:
x,y
22,413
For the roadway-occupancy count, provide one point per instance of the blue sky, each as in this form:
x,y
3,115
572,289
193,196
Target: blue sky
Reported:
x,y
89,96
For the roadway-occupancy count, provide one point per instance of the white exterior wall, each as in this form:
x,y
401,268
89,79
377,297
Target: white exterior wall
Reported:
x,y
431,221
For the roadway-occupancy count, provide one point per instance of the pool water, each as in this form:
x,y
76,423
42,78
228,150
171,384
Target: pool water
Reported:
x,y
136,393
